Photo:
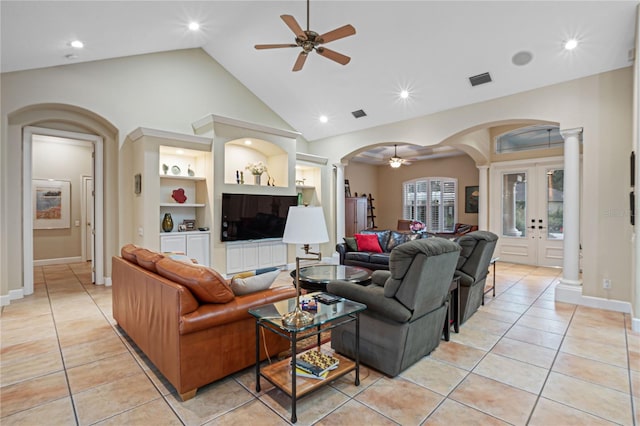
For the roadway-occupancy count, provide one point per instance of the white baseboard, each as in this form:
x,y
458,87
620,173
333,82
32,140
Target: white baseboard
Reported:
x,y
107,281
13,295
573,294
635,324
59,261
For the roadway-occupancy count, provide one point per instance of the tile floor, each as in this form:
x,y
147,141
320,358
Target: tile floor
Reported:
x,y
522,359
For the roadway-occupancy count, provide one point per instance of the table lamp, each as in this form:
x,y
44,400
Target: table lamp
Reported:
x,y
305,225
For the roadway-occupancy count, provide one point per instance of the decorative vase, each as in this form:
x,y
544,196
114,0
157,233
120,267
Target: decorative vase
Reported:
x,y
256,179
167,223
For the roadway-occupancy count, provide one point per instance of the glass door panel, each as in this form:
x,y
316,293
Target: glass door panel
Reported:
x,y
514,204
555,203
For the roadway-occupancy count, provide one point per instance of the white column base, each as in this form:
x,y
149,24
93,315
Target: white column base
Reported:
x,y
568,293
571,283
635,324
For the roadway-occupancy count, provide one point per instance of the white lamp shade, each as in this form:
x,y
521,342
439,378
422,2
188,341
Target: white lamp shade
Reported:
x,y
305,225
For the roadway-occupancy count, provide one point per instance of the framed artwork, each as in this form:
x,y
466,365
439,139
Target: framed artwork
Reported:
x,y
632,168
137,184
51,204
471,194
632,207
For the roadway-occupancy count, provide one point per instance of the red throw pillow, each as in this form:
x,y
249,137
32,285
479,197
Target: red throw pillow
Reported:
x,y
368,242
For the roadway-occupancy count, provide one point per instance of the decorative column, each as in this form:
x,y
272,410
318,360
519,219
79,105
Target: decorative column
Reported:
x,y
571,208
483,198
339,214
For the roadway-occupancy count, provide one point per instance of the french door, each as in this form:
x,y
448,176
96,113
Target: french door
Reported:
x,y
529,219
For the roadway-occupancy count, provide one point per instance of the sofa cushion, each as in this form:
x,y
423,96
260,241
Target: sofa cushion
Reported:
x,y
351,243
359,256
148,259
368,243
397,238
379,258
251,284
383,236
207,285
127,252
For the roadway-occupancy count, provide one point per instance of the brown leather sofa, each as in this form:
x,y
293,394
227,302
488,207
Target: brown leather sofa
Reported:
x,y
158,302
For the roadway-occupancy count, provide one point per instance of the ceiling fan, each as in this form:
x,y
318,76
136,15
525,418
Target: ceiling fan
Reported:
x,y
396,161
311,40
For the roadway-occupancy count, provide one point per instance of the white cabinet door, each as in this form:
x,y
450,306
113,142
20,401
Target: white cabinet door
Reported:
x,y
198,248
264,254
250,255
173,243
234,258
279,254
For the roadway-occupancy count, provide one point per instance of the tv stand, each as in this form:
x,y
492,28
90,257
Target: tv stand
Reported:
x,y
255,254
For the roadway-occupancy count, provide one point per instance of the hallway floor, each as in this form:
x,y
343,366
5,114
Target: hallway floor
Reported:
x,y
522,359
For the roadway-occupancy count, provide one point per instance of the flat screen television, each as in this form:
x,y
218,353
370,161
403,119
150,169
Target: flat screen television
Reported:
x,y
254,217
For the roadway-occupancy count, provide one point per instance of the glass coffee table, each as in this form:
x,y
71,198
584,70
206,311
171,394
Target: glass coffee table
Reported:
x,y
269,318
316,277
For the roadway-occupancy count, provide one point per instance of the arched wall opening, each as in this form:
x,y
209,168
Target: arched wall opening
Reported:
x,y
56,119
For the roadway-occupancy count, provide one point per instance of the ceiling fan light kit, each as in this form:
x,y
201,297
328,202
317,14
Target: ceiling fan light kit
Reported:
x,y
310,40
395,161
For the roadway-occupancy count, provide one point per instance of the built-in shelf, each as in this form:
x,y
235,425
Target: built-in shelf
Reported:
x,y
305,187
181,205
177,177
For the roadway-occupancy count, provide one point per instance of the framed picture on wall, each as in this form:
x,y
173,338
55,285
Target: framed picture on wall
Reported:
x,y
471,194
51,204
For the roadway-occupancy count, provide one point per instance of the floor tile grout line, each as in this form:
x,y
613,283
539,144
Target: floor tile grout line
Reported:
x,y
471,371
64,365
115,331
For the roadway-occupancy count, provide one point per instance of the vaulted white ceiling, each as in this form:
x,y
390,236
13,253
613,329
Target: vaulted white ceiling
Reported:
x,y
429,48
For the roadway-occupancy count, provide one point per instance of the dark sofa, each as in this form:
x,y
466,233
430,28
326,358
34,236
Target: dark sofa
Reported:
x,y
387,239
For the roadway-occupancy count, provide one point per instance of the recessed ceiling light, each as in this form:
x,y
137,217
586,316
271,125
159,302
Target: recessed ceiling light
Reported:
x,y
404,94
77,44
571,44
194,26
522,58
323,118
247,142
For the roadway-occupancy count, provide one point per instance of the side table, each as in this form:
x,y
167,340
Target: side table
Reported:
x,y
282,373
453,311
493,286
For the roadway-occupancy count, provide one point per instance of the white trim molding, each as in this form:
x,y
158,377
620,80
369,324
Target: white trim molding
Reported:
x,y
573,294
57,261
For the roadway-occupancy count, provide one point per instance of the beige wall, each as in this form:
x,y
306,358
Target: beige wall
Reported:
x,y
171,90
363,179
389,199
167,91
601,105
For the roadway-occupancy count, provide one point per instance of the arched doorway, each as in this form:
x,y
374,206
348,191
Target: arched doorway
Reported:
x,y
63,121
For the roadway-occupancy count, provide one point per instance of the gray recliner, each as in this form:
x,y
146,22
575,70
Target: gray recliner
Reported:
x,y
473,266
406,306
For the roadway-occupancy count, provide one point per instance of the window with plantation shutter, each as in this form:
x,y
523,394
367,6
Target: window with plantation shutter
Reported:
x,y
431,201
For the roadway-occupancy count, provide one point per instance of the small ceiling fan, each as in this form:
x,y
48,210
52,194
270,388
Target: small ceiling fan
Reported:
x,y
396,161
311,40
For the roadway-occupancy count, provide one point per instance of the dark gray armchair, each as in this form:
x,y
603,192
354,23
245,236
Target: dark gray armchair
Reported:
x,y
406,306
472,268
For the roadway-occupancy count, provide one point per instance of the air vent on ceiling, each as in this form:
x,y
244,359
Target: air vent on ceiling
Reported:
x,y
480,79
359,113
